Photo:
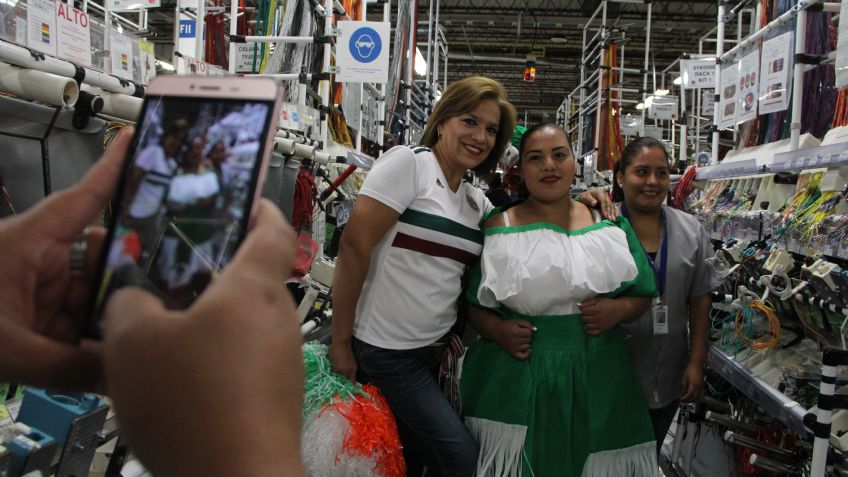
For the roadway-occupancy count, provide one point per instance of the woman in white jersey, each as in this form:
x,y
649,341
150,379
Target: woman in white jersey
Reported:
x,y
411,235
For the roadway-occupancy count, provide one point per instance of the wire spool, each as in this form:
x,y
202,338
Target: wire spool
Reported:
x,y
38,85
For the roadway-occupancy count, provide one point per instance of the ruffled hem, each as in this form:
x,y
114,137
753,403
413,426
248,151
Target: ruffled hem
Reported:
x,y
501,447
635,461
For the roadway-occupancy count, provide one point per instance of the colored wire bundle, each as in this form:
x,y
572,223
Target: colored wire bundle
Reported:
x,y
798,205
745,325
840,113
305,192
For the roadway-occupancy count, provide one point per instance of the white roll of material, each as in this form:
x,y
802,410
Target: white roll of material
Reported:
x,y
304,151
38,85
118,105
283,146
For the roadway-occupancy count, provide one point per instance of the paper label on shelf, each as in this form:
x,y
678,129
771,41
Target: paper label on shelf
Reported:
x,y
664,108
708,103
248,54
748,82
129,5
630,125
148,61
362,53
654,132
842,49
698,73
41,26
728,90
21,31
122,63
73,36
775,74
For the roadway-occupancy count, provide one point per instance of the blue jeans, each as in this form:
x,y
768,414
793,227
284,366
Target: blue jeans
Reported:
x,y
433,436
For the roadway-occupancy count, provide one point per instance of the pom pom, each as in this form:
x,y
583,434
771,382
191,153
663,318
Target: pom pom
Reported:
x,y
349,429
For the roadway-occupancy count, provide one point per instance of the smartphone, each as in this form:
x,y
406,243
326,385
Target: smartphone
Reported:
x,y
189,187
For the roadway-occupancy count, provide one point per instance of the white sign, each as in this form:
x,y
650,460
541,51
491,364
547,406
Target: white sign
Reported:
x,y
708,103
749,71
729,92
362,52
631,125
128,5
73,35
774,74
21,31
842,49
148,61
248,55
122,63
654,132
185,31
187,65
664,107
41,24
698,73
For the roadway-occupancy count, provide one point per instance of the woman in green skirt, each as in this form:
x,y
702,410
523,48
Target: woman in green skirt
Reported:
x,y
549,390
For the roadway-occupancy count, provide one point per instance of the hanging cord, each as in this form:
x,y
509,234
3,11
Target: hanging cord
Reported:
x,y
304,200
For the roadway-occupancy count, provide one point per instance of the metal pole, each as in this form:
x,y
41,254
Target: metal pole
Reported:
x,y
325,84
233,31
580,121
362,14
798,80
200,33
645,73
428,76
410,65
381,105
601,73
719,53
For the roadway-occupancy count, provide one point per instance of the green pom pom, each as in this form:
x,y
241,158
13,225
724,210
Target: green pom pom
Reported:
x,y
517,133
322,385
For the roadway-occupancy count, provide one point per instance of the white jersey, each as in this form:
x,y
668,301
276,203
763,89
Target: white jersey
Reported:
x,y
409,297
158,171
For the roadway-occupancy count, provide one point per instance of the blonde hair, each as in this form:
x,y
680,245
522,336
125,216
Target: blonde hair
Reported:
x,y
462,97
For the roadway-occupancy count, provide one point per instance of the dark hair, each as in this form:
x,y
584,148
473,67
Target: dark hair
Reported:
x,y
460,98
631,150
537,128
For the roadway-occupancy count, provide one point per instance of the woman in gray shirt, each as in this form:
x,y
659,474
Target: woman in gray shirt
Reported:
x,y
668,343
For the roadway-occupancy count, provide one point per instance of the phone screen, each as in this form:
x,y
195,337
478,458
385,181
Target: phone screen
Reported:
x,y
185,198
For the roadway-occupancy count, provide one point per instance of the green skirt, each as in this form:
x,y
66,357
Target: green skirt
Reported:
x,y
574,407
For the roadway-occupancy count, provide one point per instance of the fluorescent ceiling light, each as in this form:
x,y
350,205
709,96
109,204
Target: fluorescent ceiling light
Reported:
x,y
661,92
420,63
165,65
678,80
640,106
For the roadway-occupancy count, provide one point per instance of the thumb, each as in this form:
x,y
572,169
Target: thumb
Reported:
x,y
524,324
130,312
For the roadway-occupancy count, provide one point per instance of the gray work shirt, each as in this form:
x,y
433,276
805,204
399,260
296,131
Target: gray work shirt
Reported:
x,y
659,361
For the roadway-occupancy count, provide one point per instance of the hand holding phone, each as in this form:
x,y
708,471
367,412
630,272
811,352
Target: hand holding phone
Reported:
x,y
189,187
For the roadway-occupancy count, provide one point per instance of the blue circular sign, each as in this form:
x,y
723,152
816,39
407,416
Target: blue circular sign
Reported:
x,y
365,45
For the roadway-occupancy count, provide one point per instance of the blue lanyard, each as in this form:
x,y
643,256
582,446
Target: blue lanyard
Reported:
x,y
659,272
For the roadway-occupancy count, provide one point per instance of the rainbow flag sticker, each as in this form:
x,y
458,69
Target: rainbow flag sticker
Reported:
x,y
45,33
125,62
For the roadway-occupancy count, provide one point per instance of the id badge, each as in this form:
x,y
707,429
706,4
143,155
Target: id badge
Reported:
x,y
659,312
